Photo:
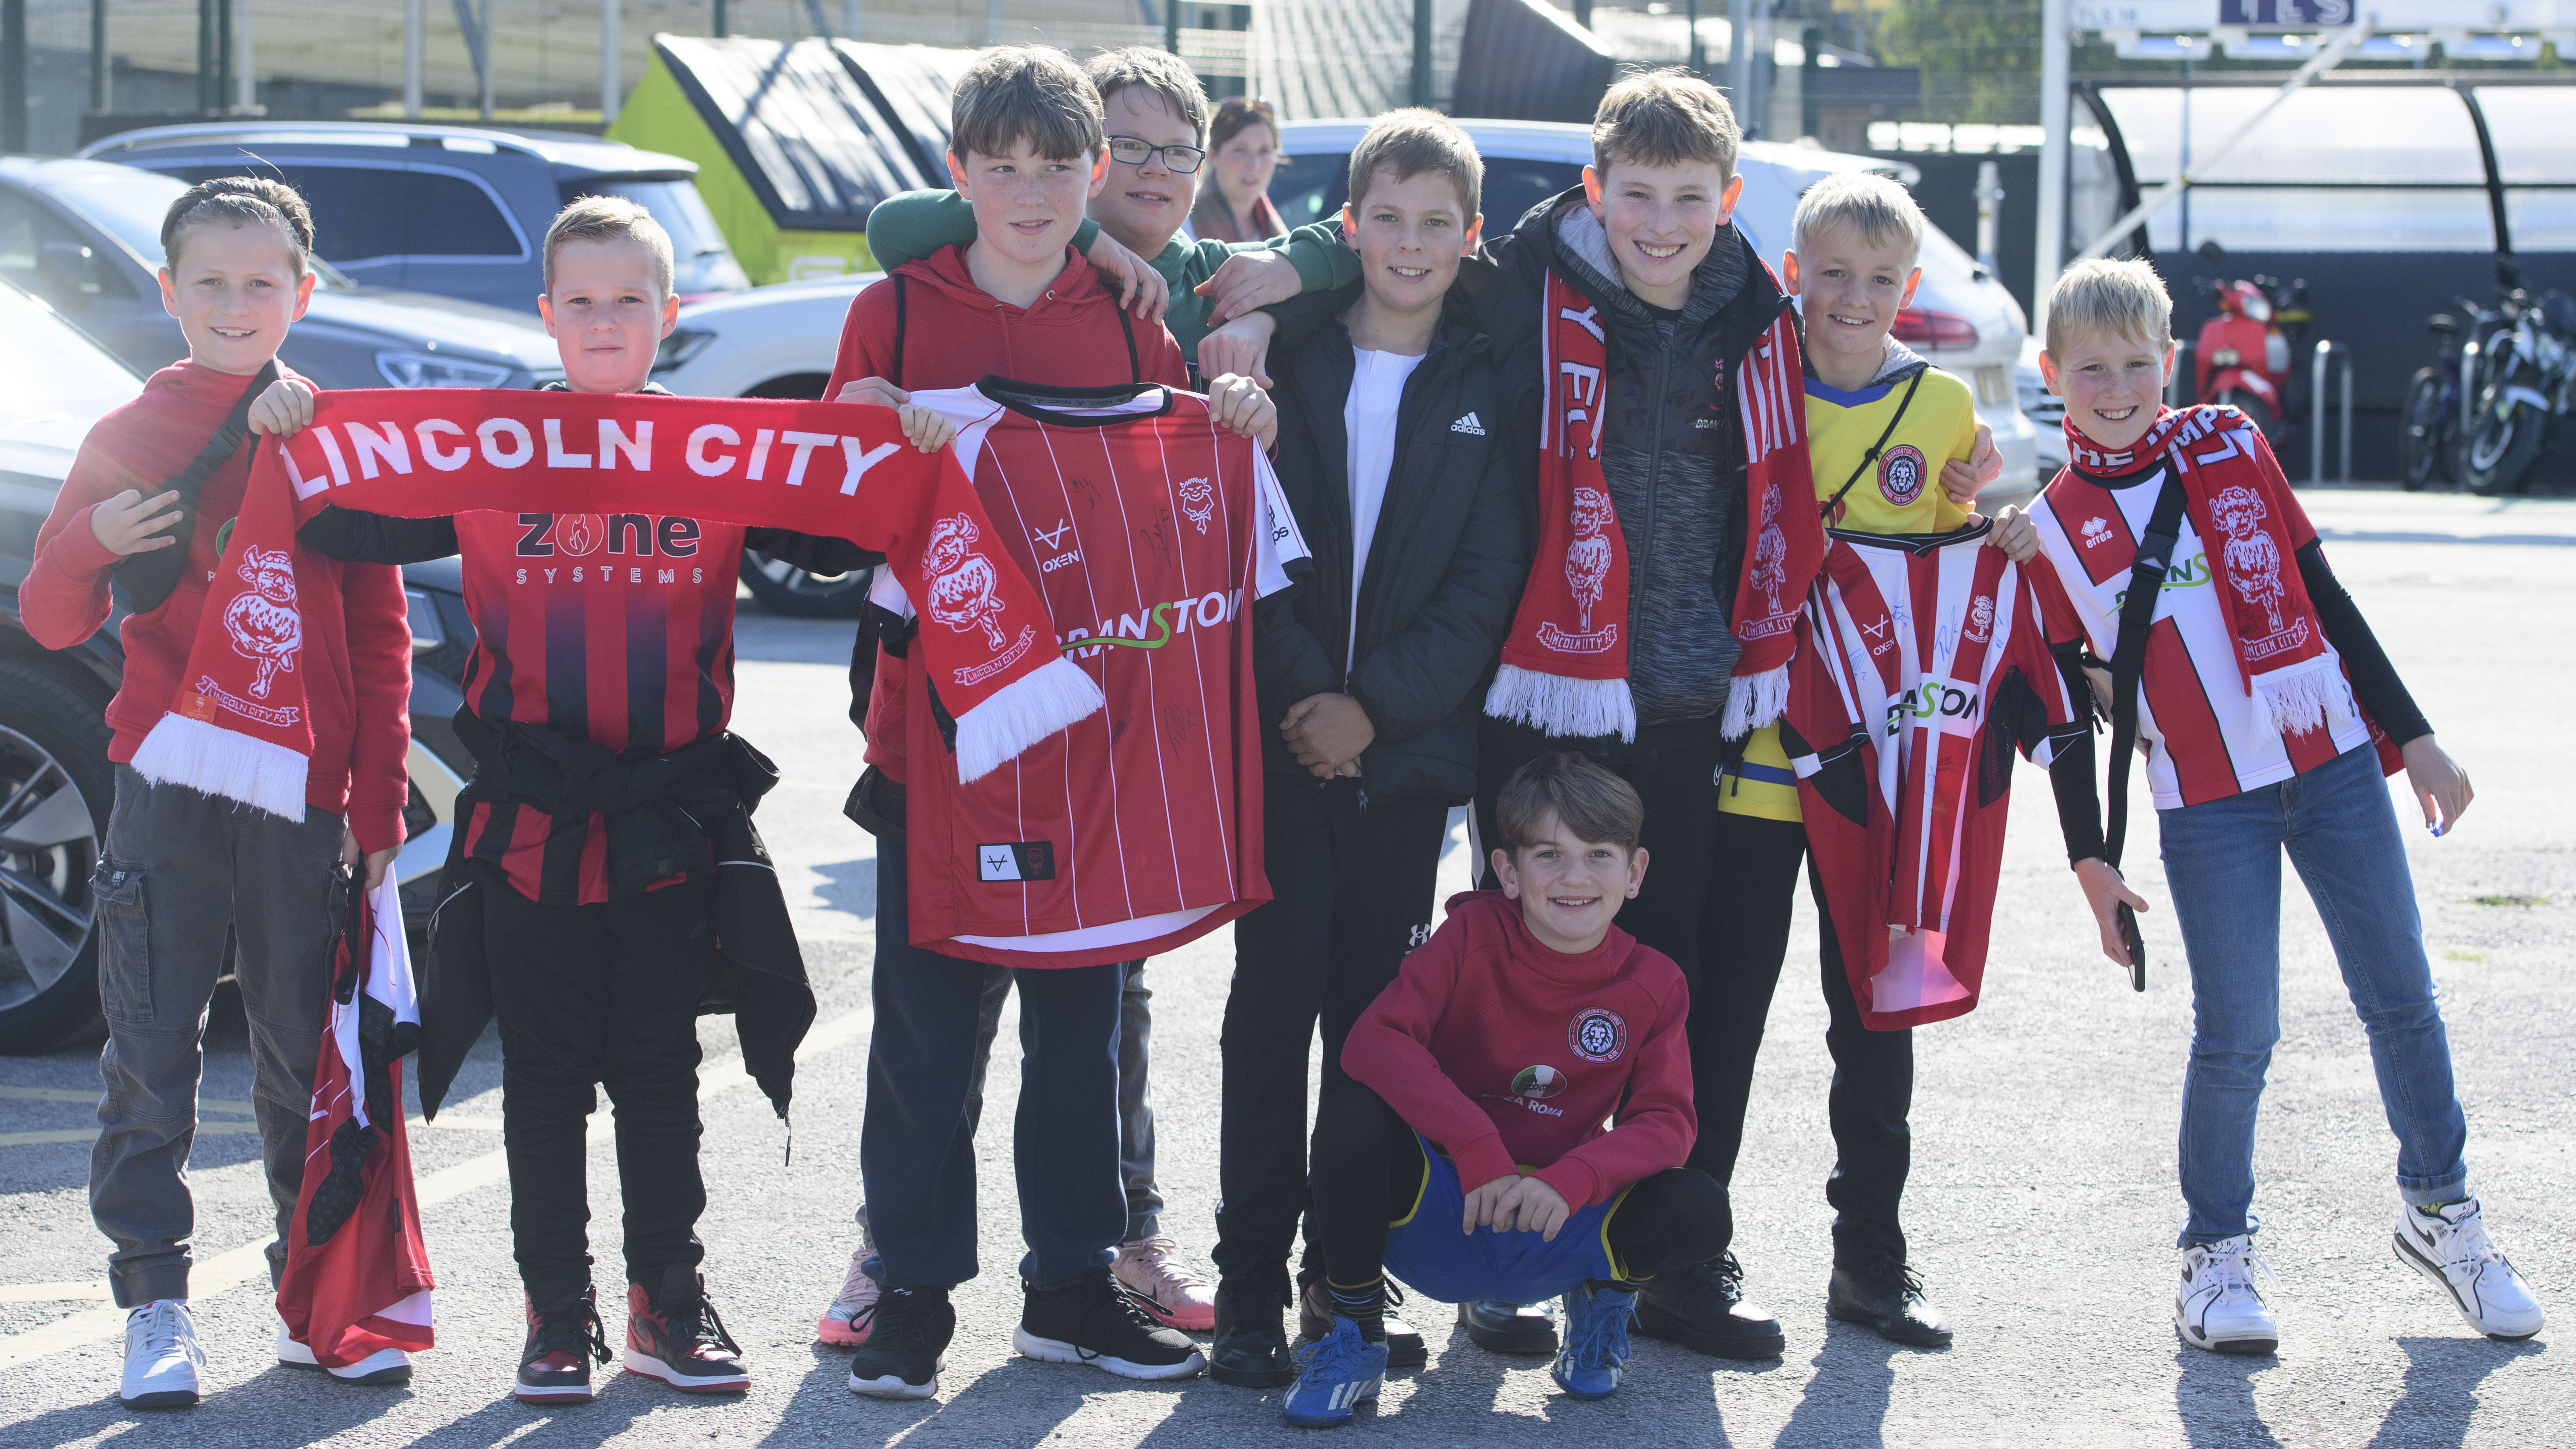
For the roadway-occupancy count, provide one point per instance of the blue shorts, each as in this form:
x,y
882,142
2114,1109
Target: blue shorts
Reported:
x,y
1425,1249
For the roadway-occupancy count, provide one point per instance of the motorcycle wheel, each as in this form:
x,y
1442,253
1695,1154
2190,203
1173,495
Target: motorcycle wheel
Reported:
x,y
2501,446
2419,438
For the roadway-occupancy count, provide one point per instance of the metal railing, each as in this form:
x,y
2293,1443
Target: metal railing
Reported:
x,y
2326,350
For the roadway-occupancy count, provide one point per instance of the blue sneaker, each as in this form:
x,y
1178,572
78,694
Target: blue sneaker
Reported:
x,y
1596,1340
1337,1373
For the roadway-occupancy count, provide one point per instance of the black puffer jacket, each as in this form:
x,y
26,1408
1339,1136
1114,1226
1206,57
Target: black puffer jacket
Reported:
x,y
1673,451
1444,570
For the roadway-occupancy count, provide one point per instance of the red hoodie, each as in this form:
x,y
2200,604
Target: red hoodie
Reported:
x,y
956,334
357,639
1507,1054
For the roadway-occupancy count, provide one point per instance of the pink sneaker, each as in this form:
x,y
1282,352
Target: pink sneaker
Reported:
x,y
1151,1270
854,1309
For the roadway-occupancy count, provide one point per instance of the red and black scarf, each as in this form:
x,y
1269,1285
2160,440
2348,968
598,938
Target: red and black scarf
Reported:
x,y
1565,663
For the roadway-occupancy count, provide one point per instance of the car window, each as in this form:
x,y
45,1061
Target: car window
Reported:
x,y
50,260
51,373
1310,187
128,205
701,261
450,216
357,210
1513,186
1314,188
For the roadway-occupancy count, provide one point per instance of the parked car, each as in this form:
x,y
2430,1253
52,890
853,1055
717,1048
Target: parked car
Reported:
x,y
55,780
779,341
2045,409
451,210
86,237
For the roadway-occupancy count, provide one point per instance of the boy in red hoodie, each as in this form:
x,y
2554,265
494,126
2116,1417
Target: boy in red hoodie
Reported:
x,y
1504,1044
180,865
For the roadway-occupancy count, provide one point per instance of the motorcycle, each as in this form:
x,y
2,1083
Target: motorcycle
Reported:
x,y
2523,386
2242,357
2431,432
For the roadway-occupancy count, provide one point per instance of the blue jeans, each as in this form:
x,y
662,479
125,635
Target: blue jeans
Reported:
x,y
2223,869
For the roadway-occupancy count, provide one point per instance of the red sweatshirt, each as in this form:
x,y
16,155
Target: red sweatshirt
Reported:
x,y
956,334
1508,1055
357,638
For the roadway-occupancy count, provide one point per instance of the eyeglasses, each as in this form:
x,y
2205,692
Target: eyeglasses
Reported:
x,y
1182,160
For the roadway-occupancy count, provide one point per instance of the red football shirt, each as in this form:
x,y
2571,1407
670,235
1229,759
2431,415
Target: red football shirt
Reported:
x,y
1150,529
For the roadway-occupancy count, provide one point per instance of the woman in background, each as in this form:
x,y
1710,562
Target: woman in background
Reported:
x,y
1243,143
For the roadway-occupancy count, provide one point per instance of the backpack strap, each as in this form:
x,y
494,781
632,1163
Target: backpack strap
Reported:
x,y
1868,459
2128,664
151,577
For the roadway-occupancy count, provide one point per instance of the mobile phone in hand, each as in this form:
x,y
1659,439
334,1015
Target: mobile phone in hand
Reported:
x,y
2137,947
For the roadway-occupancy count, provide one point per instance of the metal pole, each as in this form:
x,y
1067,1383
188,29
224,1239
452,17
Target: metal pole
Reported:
x,y
1739,59
492,60
1698,57
2051,254
1172,26
223,53
1583,13
993,25
2317,413
1811,98
98,87
1990,197
411,58
721,29
207,99
608,86
245,54
1421,52
2346,425
853,17
13,75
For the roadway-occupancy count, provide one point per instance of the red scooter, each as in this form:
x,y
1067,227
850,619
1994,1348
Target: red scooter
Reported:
x,y
2243,355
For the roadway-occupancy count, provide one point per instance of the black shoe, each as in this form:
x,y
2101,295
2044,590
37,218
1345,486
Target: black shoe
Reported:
x,y
564,1340
1886,1296
907,1346
1702,1306
1404,1345
1092,1320
1251,1346
1500,1327
673,1334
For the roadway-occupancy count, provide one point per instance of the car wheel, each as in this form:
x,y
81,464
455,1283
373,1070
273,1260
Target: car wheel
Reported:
x,y
55,789
786,589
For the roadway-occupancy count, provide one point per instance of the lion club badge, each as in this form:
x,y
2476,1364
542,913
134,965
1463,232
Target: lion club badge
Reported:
x,y
1901,474
964,594
2253,565
1597,1034
1587,570
1198,500
264,625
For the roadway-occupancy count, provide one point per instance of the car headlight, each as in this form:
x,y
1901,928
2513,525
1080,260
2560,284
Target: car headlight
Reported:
x,y
428,635
683,344
428,369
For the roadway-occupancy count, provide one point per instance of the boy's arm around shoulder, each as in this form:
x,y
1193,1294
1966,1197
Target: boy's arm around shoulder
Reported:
x,y
66,594
1389,1052
1656,1124
911,225
377,617
1415,680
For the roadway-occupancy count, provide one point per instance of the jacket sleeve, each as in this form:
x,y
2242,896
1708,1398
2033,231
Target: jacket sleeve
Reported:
x,y
378,620
867,339
1288,662
66,593
1416,679
1389,1052
1655,1127
353,536
910,226
813,553
1305,314
1323,262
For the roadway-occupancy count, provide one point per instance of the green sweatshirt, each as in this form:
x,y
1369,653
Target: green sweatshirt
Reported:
x,y
913,225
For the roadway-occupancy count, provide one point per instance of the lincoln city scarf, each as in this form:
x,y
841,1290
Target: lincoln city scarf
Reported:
x,y
239,726
357,1277
2230,490
1565,662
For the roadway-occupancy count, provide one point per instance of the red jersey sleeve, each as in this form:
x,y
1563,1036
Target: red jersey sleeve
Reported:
x,y
867,339
1389,1052
1656,1125
378,621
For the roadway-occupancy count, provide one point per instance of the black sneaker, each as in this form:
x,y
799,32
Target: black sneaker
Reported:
x,y
1702,1306
1404,1345
1499,1327
1886,1296
1251,1347
673,1334
564,1340
907,1347
1091,1320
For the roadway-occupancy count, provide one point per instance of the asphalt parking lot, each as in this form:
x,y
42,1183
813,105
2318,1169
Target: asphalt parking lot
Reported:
x,y
2042,1207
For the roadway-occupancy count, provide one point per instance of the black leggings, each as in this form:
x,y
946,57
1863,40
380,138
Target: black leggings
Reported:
x,y
1365,1163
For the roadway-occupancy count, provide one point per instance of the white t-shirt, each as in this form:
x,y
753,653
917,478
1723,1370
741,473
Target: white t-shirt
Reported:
x,y
1368,420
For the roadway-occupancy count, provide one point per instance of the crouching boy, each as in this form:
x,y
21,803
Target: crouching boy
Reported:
x,y
1504,1044
2255,698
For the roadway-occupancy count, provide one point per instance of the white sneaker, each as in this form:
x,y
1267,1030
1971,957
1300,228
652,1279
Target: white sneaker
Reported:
x,y
2452,1248
2219,1304
162,1359
384,1366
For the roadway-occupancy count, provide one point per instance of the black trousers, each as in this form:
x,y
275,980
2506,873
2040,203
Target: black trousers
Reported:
x,y
1367,1167
1744,937
599,996
1352,892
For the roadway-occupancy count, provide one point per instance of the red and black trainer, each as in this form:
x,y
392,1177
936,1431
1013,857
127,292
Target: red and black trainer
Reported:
x,y
564,1339
674,1335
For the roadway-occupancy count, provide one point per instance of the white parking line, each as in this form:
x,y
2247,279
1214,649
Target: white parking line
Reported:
x,y
227,1271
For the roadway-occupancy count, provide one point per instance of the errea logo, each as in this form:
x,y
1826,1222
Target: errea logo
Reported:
x,y
1468,425
2096,531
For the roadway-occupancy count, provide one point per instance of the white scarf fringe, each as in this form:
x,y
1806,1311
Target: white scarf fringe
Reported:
x,y
2294,700
216,761
1557,705
1755,700
1021,713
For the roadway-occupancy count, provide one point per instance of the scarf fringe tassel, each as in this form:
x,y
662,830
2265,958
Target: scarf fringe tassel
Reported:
x,y
1021,713
1755,700
2294,699
215,761
1557,705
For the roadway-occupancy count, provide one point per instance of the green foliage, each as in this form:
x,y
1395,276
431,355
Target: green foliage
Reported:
x,y
1980,58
